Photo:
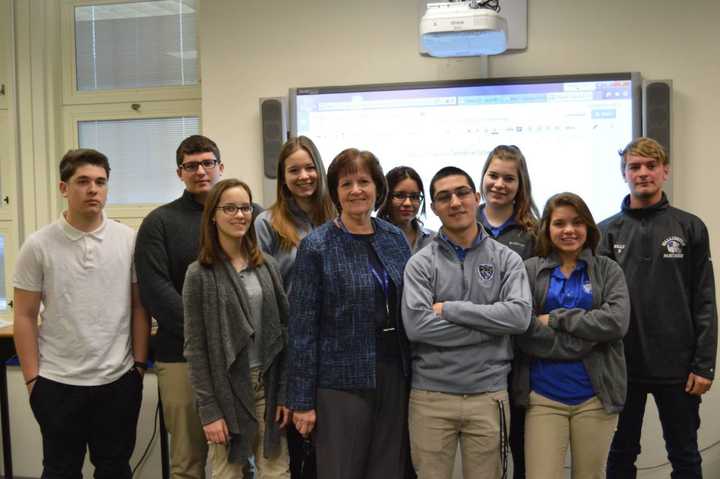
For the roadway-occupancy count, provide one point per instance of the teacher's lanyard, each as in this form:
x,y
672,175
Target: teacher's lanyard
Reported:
x,y
384,282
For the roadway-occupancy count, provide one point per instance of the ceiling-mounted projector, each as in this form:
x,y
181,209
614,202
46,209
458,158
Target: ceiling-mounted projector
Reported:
x,y
462,29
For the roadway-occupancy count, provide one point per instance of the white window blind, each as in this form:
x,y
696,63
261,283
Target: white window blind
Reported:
x,y
141,154
136,45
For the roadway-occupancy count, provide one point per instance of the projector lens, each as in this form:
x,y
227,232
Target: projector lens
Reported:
x,y
464,44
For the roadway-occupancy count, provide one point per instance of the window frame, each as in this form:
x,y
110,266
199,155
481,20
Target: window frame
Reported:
x,y
6,40
7,168
73,96
123,111
7,229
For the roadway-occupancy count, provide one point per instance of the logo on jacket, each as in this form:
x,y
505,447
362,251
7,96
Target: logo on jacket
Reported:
x,y
674,246
486,271
619,248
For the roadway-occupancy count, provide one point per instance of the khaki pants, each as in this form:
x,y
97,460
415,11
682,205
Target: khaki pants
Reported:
x,y
438,421
276,467
188,447
550,426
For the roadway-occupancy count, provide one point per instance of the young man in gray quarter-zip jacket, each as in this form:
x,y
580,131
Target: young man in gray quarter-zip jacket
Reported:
x,y
464,296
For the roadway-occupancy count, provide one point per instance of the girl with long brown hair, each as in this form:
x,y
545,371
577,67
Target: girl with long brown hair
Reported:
x,y
235,339
302,203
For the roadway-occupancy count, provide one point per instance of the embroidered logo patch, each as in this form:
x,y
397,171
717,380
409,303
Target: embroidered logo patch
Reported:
x,y
619,248
486,271
674,246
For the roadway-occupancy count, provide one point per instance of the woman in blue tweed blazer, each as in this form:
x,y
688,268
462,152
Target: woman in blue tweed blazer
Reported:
x,y
348,353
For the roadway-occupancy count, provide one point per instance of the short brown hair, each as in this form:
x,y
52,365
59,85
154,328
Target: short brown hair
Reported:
x,y
210,250
196,144
352,160
645,147
74,159
544,244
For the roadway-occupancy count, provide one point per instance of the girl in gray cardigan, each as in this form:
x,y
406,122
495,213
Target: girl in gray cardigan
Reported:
x,y
235,339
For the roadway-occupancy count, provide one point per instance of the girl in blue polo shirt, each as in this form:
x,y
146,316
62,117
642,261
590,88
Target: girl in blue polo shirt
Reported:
x,y
571,375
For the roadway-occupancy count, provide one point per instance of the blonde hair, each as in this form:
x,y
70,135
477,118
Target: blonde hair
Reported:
x,y
645,147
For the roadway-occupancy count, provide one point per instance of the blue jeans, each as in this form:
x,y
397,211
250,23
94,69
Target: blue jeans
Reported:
x,y
680,419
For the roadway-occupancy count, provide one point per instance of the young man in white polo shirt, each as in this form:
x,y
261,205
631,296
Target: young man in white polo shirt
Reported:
x,y
84,364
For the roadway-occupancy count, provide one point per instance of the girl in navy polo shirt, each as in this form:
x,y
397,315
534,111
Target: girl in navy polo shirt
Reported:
x,y
572,374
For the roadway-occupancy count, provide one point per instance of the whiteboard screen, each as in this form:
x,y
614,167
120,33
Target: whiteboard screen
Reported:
x,y
569,128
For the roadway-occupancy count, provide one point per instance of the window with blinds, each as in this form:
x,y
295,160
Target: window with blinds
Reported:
x,y
141,154
136,45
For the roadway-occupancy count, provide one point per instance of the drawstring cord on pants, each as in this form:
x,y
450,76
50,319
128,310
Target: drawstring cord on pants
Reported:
x,y
504,443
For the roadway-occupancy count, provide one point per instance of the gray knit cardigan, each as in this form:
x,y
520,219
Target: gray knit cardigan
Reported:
x,y
218,332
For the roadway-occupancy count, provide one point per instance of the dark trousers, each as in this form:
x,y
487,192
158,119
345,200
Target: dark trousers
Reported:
x,y
517,440
102,419
364,434
517,435
680,419
302,455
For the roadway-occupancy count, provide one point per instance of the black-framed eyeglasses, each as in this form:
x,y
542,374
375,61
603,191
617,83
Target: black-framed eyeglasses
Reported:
x,y
401,196
192,166
231,209
446,196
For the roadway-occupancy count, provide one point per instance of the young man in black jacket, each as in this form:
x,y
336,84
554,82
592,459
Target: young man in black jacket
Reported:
x,y
671,345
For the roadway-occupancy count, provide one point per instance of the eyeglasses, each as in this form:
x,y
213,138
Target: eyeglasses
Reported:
x,y
461,193
401,197
231,210
192,166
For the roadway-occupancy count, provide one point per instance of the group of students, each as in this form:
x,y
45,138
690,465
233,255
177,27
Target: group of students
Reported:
x,y
333,336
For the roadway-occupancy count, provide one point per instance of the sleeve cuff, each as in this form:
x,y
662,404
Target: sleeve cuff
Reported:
x,y
554,322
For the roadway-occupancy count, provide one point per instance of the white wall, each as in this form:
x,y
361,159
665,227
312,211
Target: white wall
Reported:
x,y
254,49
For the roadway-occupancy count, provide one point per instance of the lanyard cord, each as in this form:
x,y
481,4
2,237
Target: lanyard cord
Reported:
x,y
383,280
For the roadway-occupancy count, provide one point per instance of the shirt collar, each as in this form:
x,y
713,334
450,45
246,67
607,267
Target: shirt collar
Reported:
x,y
580,266
75,234
495,231
189,199
659,206
457,247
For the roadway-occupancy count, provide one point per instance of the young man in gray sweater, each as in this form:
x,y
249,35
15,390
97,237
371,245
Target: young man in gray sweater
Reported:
x,y
464,296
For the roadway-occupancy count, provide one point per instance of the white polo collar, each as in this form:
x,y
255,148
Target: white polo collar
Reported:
x,y
75,234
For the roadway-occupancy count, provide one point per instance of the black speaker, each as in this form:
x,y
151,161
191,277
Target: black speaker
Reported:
x,y
273,116
657,103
